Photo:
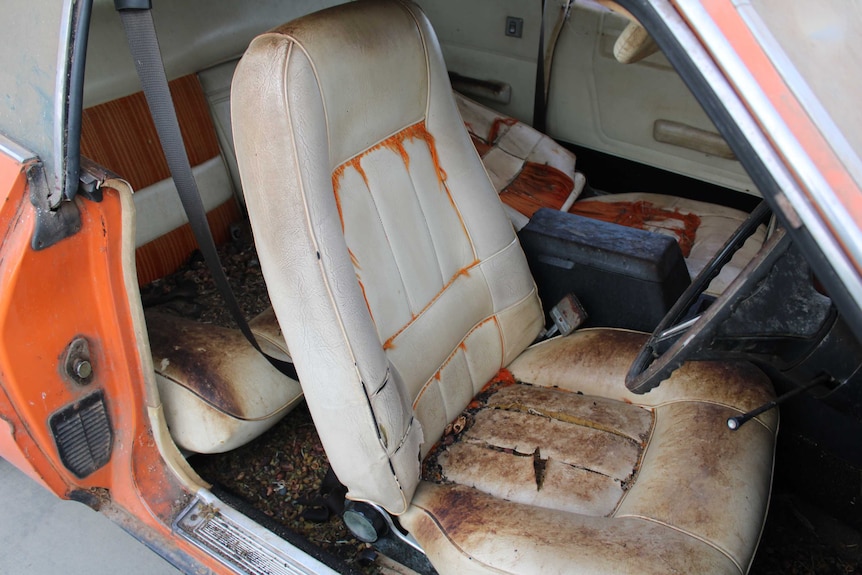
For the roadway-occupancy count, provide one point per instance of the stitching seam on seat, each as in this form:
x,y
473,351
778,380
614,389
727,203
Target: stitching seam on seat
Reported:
x,y
348,347
641,456
443,532
216,408
304,195
465,271
427,227
461,345
715,546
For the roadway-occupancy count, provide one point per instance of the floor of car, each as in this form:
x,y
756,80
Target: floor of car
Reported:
x,y
619,175
280,473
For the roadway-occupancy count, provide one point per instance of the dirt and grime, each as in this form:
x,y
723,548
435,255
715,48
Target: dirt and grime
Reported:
x,y
280,473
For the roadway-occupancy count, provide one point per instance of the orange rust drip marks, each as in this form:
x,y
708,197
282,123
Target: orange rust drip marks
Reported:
x,y
365,296
463,346
499,122
484,144
642,215
353,259
503,378
394,143
337,173
481,146
537,186
465,271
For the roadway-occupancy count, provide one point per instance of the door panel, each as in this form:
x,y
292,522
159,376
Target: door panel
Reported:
x,y
594,101
474,42
601,104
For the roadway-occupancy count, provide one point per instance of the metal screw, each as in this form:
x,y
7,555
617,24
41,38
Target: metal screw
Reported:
x,y
77,364
83,368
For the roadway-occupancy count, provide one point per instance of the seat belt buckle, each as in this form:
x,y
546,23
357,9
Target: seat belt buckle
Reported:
x,y
568,315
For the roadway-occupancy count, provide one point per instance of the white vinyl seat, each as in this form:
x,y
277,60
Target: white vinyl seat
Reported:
x,y
409,311
218,392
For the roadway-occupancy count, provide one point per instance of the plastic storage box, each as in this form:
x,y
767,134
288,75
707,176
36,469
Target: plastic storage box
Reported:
x,y
623,277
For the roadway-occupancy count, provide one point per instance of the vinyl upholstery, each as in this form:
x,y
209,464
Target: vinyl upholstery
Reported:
x,y
531,170
717,224
363,213
218,391
401,290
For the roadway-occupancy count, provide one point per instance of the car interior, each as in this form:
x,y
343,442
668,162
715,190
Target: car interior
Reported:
x,y
425,198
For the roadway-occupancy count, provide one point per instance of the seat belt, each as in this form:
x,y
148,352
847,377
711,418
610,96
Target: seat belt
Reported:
x,y
140,31
540,110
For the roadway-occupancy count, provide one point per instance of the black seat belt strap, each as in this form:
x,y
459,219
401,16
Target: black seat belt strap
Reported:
x,y
141,33
539,101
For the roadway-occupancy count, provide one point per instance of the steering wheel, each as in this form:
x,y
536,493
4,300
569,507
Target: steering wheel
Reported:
x,y
672,343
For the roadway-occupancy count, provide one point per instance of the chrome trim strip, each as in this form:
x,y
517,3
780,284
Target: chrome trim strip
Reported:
x,y
407,539
61,96
14,150
800,88
709,34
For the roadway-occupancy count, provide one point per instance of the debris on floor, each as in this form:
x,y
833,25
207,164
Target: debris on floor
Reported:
x,y
281,473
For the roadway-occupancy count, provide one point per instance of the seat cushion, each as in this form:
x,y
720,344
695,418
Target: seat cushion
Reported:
x,y
218,391
560,450
530,170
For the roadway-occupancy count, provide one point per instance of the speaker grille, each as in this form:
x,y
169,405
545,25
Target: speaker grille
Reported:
x,y
83,435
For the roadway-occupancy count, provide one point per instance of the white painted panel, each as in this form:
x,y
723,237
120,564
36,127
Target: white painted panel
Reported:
x,y
474,43
598,103
158,208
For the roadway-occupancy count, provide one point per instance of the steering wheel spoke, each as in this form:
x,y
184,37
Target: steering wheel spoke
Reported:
x,y
676,340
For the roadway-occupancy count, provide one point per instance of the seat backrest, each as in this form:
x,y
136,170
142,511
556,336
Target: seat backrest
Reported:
x,y
394,273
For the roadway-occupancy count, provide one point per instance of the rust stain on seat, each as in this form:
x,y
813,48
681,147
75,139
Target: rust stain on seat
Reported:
x,y
395,143
197,357
537,186
465,272
499,122
642,215
502,376
484,143
542,446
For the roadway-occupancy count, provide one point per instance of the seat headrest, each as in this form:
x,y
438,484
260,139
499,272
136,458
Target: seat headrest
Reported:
x,y
370,98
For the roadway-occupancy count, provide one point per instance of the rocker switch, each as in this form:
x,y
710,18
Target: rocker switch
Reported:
x,y
514,26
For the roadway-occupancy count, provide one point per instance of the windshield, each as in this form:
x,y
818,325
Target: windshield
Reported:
x,y
823,40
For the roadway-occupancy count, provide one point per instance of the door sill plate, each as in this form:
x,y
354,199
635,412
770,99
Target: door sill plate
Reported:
x,y
240,543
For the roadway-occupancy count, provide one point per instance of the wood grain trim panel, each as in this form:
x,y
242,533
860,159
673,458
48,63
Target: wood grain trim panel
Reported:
x,y
121,136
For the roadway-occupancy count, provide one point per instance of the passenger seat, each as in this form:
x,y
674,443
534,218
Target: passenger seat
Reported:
x,y
218,392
